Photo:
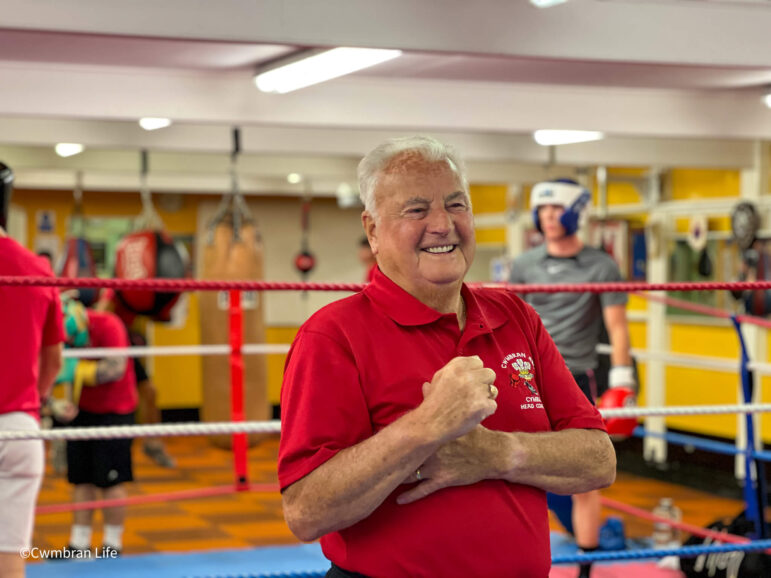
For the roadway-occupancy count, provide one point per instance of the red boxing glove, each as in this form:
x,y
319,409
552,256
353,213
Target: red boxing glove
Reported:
x,y
619,428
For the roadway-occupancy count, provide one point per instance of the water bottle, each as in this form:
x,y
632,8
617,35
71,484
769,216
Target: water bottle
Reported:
x,y
664,535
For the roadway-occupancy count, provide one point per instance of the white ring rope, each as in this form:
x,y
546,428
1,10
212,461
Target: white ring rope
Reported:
x,y
143,431
169,350
686,410
692,361
274,426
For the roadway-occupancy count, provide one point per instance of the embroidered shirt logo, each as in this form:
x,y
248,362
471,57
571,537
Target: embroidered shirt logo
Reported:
x,y
523,369
522,373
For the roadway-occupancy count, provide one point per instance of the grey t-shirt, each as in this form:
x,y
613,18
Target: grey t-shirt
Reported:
x,y
574,320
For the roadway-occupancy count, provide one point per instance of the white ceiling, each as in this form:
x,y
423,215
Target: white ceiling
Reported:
x,y
670,82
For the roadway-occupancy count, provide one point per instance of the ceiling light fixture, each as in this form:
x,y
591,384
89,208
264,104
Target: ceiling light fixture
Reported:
x,y
68,149
154,123
311,67
294,178
767,99
561,137
546,3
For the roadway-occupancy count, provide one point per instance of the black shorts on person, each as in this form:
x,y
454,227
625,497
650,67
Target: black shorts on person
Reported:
x,y
103,463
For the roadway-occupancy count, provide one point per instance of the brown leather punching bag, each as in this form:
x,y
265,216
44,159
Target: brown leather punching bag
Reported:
x,y
228,256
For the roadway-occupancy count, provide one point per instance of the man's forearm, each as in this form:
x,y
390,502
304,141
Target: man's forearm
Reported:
x,y
352,484
619,346
50,364
565,462
110,369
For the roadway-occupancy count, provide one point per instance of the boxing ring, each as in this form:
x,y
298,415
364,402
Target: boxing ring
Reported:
x,y
306,560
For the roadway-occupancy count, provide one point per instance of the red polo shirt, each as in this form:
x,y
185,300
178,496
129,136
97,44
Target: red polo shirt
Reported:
x,y
359,363
105,329
31,318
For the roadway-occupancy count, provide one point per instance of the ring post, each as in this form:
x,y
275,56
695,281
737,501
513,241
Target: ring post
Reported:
x,y
754,489
237,388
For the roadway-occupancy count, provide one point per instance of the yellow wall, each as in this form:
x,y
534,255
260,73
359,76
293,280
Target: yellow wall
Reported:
x,y
686,386
276,361
489,199
695,184
178,378
620,193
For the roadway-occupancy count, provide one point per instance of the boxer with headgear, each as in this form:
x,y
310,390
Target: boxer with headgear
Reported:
x,y
575,322
565,193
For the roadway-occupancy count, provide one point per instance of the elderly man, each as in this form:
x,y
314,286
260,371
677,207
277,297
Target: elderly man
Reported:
x,y
424,421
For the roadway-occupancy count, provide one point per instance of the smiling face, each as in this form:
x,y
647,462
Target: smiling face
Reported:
x,y
424,236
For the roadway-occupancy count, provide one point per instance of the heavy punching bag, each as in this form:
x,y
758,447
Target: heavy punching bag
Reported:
x,y
232,251
149,253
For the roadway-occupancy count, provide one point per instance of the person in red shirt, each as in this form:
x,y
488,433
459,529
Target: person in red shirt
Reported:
x,y
105,393
424,420
148,412
31,356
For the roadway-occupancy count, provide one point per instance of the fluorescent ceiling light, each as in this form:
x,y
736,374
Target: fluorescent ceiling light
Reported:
x,y
294,178
68,149
546,3
561,137
154,123
767,100
320,66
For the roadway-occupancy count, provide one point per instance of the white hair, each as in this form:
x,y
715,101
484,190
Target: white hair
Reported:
x,y
379,158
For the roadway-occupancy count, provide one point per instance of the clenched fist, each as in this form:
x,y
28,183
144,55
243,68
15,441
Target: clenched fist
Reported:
x,y
459,397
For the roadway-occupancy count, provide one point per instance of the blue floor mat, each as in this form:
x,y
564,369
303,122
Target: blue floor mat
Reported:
x,y
252,561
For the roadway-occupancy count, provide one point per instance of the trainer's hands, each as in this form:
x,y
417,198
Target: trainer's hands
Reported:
x,y
460,462
458,398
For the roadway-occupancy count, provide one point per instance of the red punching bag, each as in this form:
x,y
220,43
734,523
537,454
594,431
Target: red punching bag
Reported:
x,y
148,255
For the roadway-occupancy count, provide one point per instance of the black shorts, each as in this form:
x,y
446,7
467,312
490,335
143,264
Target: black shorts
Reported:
x,y
103,463
587,384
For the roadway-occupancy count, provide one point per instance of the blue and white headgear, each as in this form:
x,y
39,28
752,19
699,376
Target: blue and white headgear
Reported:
x,y
565,193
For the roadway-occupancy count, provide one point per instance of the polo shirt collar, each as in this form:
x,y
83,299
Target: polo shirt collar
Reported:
x,y
407,310
544,255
